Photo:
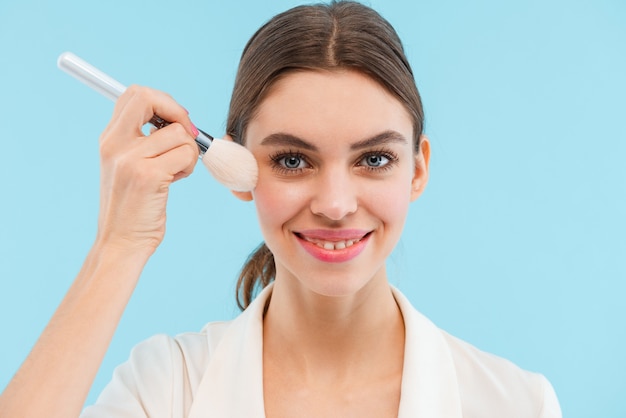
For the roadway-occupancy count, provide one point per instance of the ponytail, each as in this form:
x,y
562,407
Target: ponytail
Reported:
x,y
258,271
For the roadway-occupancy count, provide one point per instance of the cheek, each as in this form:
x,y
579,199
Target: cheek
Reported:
x,y
389,202
394,205
276,203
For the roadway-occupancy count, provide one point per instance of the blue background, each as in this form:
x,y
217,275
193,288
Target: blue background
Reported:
x,y
518,245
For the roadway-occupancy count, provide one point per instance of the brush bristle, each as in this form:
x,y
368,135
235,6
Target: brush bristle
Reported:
x,y
232,165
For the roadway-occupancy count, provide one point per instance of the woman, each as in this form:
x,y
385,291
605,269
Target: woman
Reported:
x,y
326,101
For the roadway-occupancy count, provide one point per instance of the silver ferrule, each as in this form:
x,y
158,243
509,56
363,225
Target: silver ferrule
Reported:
x,y
204,141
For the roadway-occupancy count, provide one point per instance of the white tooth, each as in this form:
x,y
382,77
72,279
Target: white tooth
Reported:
x,y
330,245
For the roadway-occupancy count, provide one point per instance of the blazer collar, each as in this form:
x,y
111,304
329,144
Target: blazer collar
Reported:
x,y
429,384
232,385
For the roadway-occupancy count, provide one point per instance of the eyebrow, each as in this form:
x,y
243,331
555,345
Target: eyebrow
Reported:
x,y
285,139
386,137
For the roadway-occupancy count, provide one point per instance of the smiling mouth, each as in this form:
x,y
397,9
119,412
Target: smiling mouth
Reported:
x,y
332,245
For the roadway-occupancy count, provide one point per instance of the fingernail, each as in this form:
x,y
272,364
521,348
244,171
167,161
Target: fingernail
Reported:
x,y
194,130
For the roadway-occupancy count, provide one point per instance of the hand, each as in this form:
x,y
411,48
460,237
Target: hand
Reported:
x,y
137,170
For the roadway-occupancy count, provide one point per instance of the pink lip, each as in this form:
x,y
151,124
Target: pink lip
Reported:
x,y
334,256
334,234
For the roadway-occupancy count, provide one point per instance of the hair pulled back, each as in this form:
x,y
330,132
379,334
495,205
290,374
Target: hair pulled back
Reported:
x,y
339,35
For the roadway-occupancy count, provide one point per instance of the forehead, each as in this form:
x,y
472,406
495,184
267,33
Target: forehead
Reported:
x,y
328,105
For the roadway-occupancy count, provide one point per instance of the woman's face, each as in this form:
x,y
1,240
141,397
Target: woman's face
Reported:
x,y
337,171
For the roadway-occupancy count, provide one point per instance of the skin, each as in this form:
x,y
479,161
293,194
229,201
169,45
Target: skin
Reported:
x,y
336,329
136,174
333,333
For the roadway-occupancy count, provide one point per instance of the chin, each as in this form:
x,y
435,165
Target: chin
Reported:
x,y
336,284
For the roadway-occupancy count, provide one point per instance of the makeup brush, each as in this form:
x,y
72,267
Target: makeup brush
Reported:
x,y
230,163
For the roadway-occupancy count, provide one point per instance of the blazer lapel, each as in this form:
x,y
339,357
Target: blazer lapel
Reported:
x,y
232,385
429,384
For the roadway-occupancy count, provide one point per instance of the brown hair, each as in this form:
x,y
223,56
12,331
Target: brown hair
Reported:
x,y
342,34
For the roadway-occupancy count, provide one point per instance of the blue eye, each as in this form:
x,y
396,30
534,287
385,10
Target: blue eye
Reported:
x,y
292,162
375,160
289,162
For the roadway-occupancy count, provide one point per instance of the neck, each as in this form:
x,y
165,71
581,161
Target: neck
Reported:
x,y
337,336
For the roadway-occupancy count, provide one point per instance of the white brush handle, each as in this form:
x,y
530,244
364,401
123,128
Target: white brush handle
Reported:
x,y
111,88
90,75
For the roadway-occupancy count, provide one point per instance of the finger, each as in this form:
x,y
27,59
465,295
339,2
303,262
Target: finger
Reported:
x,y
133,92
178,162
137,106
120,105
144,103
166,139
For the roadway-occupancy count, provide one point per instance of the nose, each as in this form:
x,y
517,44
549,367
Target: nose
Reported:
x,y
335,194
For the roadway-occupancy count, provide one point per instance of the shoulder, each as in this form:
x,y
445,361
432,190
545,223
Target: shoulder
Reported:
x,y
161,374
166,358
486,385
196,349
487,379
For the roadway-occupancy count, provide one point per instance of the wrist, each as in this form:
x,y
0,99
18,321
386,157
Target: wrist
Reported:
x,y
125,258
123,248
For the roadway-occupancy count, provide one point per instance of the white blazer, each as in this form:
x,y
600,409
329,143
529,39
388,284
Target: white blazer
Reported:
x,y
218,372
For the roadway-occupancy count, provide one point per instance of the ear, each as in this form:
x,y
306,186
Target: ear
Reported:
x,y
420,174
245,196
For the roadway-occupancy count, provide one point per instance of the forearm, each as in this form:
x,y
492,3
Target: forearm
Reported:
x,y
55,378
136,174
